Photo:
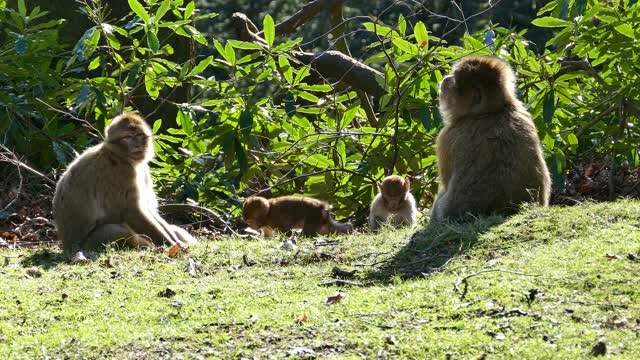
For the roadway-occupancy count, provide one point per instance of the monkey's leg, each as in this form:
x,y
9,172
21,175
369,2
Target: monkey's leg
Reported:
x,y
142,221
267,231
438,210
107,234
184,235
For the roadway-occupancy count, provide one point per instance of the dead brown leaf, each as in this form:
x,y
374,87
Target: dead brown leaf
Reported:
x,y
335,298
174,250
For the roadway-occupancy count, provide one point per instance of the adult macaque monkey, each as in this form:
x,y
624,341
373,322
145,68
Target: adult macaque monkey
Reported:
x,y
489,155
291,212
393,204
106,194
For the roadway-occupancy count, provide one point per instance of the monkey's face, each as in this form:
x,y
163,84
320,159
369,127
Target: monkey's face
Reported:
x,y
255,211
137,144
130,137
394,192
455,99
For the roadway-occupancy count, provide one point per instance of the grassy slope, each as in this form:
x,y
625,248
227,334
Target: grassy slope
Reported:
x,y
408,306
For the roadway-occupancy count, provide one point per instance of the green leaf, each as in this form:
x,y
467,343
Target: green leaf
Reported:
x,y
244,45
246,122
201,66
156,126
550,22
286,69
319,161
269,29
405,46
425,118
22,8
289,104
94,63
572,139
402,24
231,54
185,122
242,157
133,75
422,36
626,30
164,7
139,10
152,41
549,106
319,87
188,10
308,96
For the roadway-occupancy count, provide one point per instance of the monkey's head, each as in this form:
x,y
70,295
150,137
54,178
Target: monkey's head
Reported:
x,y
394,191
254,211
477,85
129,137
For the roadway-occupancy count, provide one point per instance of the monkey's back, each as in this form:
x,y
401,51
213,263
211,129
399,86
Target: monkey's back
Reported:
x,y
496,161
291,212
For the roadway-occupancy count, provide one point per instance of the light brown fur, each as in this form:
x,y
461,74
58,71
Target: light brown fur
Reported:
x,y
106,194
291,212
394,204
489,154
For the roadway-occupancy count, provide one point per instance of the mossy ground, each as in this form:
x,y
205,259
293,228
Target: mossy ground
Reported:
x,y
547,283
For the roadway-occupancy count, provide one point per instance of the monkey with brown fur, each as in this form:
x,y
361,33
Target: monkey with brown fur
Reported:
x,y
489,154
394,204
291,212
106,194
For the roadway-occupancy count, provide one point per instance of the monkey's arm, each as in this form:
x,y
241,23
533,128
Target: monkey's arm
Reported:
x,y
377,213
267,231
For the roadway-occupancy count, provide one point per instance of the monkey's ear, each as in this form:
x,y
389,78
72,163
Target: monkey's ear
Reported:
x,y
407,184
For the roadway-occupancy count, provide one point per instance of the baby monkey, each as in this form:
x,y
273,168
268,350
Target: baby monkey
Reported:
x,y
393,204
291,212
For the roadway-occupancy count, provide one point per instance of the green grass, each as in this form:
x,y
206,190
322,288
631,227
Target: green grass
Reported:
x,y
464,291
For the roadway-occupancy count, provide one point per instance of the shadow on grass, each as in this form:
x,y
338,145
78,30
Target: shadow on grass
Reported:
x,y
50,258
430,249
46,258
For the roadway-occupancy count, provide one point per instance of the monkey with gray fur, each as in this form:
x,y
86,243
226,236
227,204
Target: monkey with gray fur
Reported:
x,y
106,195
489,155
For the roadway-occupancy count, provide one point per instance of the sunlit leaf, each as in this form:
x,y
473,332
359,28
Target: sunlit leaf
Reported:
x,y
139,10
269,30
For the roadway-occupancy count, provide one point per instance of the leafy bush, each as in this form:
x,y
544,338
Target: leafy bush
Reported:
x,y
271,125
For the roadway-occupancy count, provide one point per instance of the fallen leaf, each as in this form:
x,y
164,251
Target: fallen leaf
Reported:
x,y
302,318
616,323
246,260
79,258
167,293
34,273
301,351
614,256
335,298
288,245
107,263
336,272
192,267
532,295
599,349
174,250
